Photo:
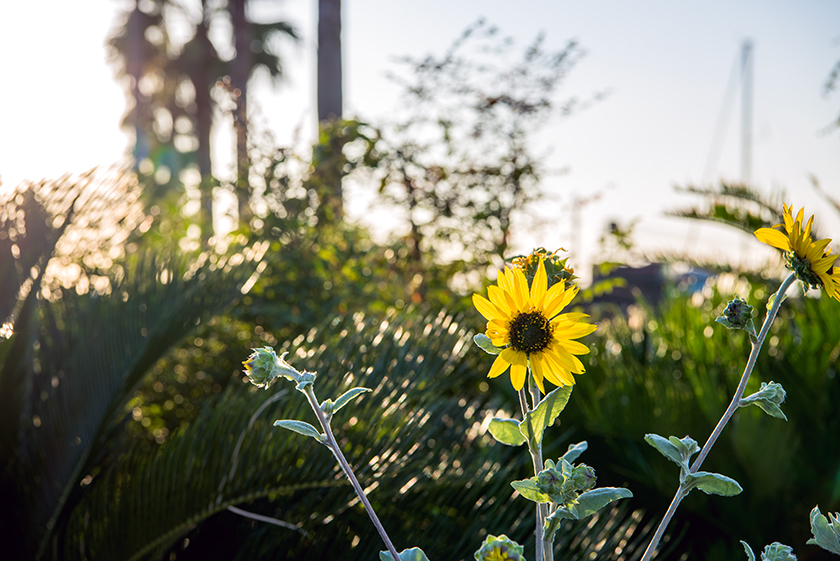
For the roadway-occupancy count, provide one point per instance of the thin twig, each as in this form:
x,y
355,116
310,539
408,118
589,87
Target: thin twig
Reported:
x,y
267,519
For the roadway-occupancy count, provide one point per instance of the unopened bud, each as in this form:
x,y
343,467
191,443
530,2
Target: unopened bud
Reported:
x,y
584,478
738,315
499,548
550,481
263,367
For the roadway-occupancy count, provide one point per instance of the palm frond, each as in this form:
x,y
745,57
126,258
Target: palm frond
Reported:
x,y
418,443
735,205
89,353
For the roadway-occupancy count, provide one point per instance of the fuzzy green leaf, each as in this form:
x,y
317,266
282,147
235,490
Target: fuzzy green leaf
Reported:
x,y
768,398
506,431
687,446
574,451
347,397
535,422
528,488
301,428
483,343
666,448
826,534
748,550
590,502
413,554
712,484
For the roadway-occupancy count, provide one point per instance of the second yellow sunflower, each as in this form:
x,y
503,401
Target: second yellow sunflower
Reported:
x,y
527,322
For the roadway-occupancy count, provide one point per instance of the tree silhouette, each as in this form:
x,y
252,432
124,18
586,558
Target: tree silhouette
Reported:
x,y
180,82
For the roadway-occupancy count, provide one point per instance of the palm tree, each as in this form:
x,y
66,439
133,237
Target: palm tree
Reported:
x,y
199,64
330,105
251,40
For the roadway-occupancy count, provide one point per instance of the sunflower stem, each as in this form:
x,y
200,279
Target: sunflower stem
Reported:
x,y
348,471
756,345
536,459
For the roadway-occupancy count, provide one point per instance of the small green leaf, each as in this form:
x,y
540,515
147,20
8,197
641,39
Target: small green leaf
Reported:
x,y
712,484
483,342
748,550
528,488
826,534
592,501
535,422
347,397
413,554
301,428
574,451
687,446
506,431
777,552
666,448
562,513
768,398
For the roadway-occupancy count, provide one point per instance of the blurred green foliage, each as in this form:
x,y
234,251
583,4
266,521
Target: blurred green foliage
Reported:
x,y
671,370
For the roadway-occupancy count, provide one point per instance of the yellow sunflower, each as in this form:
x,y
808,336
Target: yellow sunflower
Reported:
x,y
526,323
812,262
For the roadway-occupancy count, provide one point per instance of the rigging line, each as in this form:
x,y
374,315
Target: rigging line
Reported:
x,y
719,136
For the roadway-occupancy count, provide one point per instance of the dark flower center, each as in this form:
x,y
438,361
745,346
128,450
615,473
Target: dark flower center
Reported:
x,y
530,332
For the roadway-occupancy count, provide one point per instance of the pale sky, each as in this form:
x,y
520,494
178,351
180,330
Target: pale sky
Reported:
x,y
667,64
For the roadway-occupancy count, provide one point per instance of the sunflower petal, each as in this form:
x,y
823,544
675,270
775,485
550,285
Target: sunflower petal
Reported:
x,y
520,287
774,238
538,285
518,374
573,347
487,308
537,371
562,374
572,331
499,366
501,299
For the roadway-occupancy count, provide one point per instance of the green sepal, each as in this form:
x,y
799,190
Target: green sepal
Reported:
x,y
543,416
529,489
712,484
768,398
306,379
327,407
826,534
301,428
347,397
574,451
777,552
483,343
506,431
748,550
413,554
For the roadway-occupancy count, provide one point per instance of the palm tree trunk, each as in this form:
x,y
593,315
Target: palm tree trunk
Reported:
x,y
329,60
330,97
204,124
241,67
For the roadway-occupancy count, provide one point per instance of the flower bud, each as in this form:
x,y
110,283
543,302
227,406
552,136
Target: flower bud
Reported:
x,y
738,315
499,548
556,268
584,478
263,367
550,481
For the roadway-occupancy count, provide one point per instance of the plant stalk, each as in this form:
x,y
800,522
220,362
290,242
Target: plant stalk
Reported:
x,y
348,471
733,406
